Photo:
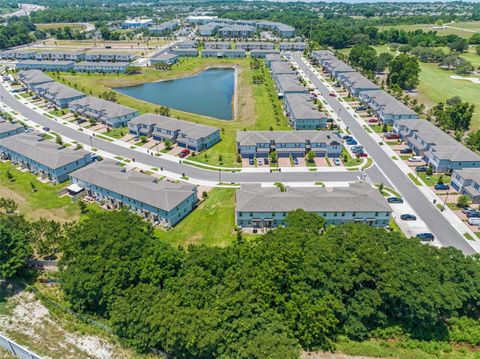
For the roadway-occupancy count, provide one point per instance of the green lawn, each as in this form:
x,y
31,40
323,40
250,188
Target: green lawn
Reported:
x,y
459,28
116,132
212,223
258,106
432,180
414,179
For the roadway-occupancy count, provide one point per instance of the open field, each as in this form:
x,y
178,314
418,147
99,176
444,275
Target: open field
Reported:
x,y
257,105
74,26
139,45
463,29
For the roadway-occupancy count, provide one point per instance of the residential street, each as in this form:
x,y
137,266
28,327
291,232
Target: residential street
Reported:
x,y
440,227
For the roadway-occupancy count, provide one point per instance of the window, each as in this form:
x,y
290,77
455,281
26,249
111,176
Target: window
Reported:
x,y
376,214
240,214
343,214
335,214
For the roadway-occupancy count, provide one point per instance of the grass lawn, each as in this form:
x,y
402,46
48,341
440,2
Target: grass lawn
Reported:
x,y
212,223
258,106
116,132
59,112
432,180
350,162
451,29
414,179
72,25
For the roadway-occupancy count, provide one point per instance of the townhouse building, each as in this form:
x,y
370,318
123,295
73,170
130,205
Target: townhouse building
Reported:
x,y
101,67
285,31
186,134
288,84
303,114
187,44
107,112
109,56
263,53
335,67
267,207
437,148
60,56
51,66
160,201
19,54
271,58
322,56
255,45
280,68
386,107
226,53
137,23
200,19
169,59
218,45
32,78
57,93
467,182
236,30
293,46
192,52
355,83
251,144
8,129
45,158
164,28
208,29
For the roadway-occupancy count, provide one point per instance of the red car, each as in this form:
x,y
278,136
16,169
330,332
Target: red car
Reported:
x,y
372,120
332,94
362,154
184,153
392,136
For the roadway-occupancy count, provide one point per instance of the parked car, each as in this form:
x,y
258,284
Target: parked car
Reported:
x,y
347,137
184,153
81,120
425,237
474,221
392,136
441,186
295,160
415,159
468,209
372,120
259,162
352,142
46,129
406,150
251,162
332,94
337,162
421,169
408,217
266,161
394,200
357,148
361,108
475,214
363,154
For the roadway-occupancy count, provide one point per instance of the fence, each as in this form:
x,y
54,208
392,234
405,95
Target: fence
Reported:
x,y
17,349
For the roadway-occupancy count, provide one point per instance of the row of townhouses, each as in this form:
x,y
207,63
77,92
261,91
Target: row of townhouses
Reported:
x,y
75,56
258,207
293,144
186,134
299,105
386,107
216,52
68,66
436,147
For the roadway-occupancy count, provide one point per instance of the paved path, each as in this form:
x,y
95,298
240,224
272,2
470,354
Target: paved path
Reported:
x,y
182,169
440,227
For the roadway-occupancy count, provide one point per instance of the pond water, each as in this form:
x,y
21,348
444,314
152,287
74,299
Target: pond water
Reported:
x,y
208,93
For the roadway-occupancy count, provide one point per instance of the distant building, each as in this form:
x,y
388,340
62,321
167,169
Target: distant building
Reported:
x,y
255,45
187,44
227,53
8,129
293,46
32,78
193,52
45,158
106,112
158,200
386,107
137,23
101,67
267,207
60,55
51,66
217,45
280,68
209,29
109,56
57,93
237,31
169,59
355,83
200,19
260,144
271,58
20,54
263,53
186,134
164,28
287,83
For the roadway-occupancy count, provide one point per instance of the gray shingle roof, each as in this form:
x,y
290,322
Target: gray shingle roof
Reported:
x,y
58,91
189,129
34,76
274,58
389,104
358,80
109,109
147,189
6,126
45,62
251,138
302,106
470,174
102,64
281,67
290,83
45,152
358,197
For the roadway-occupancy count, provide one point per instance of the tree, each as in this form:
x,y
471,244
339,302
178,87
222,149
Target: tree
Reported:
x,y
273,156
463,201
454,114
477,49
48,236
460,45
83,207
383,61
168,144
133,70
404,72
475,39
10,176
363,56
310,156
15,247
33,187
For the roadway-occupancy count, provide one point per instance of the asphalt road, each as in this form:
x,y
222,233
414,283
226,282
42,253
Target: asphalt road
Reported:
x,y
192,172
440,227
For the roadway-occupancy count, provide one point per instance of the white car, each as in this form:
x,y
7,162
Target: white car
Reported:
x,y
336,161
474,221
415,159
259,162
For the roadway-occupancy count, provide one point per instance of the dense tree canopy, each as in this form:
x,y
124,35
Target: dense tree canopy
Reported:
x,y
296,287
404,72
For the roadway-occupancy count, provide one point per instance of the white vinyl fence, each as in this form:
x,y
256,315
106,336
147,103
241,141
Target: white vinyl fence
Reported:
x,y
16,349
